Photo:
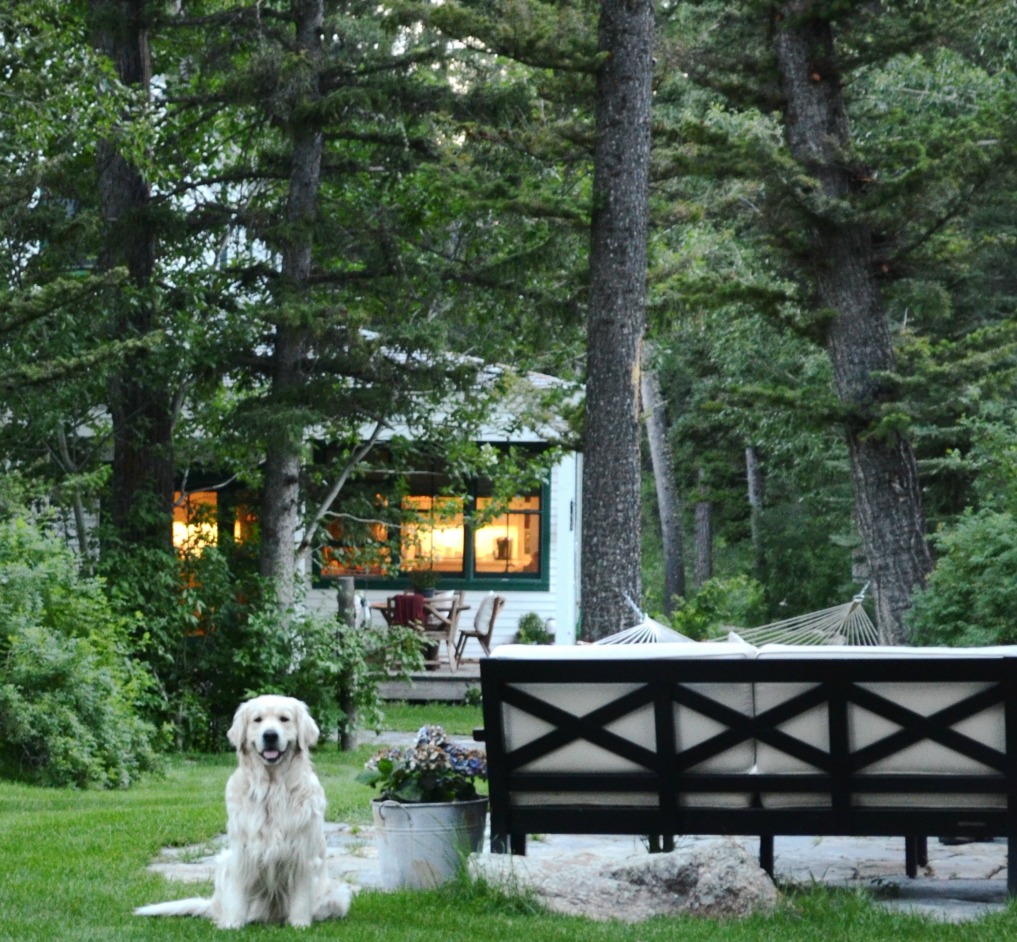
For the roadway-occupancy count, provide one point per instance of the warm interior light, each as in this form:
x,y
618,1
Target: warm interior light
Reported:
x,y
437,541
194,521
244,524
510,542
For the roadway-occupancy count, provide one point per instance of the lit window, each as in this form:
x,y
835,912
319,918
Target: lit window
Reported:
x,y
245,524
435,534
195,524
370,558
511,541
432,534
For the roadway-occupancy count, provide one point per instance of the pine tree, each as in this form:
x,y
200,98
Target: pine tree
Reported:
x,y
611,564
848,200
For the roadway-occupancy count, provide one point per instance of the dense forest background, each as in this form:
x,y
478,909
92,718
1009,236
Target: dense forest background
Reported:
x,y
225,226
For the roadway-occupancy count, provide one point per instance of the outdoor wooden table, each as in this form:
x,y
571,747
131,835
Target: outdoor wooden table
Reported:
x,y
433,613
387,611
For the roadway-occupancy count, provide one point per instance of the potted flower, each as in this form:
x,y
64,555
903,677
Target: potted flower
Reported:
x,y
424,581
428,816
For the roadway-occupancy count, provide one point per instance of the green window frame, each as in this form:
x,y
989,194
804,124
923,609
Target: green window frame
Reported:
x,y
512,553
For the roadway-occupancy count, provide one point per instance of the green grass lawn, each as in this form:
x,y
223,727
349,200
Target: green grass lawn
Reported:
x,y
74,867
456,718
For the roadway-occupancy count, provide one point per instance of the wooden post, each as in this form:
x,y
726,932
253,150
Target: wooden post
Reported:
x,y
346,616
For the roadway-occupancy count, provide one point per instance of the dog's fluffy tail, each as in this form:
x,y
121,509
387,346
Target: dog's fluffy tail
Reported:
x,y
335,903
195,906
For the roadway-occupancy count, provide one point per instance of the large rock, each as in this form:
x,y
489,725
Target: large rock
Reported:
x,y
717,879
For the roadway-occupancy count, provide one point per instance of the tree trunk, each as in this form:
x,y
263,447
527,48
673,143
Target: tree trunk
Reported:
x,y
668,503
754,476
888,500
280,515
704,537
611,466
141,507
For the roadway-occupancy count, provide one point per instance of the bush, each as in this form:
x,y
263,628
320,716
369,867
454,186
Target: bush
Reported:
x,y
334,668
194,631
720,603
212,636
969,599
532,631
69,690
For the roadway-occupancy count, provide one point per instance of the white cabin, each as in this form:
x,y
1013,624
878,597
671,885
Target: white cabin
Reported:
x,y
529,554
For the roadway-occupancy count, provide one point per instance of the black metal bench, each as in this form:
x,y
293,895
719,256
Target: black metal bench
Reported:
x,y
661,786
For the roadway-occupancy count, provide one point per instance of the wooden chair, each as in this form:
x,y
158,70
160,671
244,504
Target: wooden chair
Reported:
x,y
483,626
442,624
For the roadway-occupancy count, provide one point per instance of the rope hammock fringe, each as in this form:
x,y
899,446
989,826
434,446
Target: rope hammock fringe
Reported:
x,y
842,624
647,631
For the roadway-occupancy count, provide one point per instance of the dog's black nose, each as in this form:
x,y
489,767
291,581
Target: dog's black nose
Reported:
x,y
270,737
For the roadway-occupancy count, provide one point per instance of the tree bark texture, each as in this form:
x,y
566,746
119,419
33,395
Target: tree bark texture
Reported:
x,y
668,502
754,478
611,463
888,499
703,571
141,507
281,501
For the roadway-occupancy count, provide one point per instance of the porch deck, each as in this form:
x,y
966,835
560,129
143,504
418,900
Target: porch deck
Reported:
x,y
440,684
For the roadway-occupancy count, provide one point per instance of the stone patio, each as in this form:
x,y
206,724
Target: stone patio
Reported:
x,y
961,882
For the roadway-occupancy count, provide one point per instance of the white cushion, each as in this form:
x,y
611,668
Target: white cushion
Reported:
x,y
653,651
827,651
483,616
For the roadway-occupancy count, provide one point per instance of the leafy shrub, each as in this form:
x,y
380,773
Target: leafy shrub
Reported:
x,y
969,599
213,638
68,688
737,602
194,631
532,631
334,668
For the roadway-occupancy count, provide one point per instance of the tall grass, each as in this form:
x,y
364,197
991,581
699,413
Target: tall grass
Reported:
x,y
74,867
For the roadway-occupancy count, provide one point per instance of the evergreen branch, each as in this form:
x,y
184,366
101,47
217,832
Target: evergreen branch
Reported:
x,y
40,374
250,15
23,308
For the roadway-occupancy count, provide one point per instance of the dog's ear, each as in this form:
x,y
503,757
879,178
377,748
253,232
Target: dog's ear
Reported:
x,y
237,733
307,729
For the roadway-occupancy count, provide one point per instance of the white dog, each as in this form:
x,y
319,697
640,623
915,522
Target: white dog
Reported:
x,y
273,867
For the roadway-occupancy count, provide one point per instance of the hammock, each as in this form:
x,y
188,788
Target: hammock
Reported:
x,y
647,631
842,624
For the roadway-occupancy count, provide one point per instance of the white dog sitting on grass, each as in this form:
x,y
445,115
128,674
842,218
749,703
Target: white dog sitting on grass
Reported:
x,y
273,868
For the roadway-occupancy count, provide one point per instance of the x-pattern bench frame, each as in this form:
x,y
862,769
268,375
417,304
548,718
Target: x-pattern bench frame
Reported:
x,y
668,773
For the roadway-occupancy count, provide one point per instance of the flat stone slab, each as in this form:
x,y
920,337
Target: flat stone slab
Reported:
x,y
717,879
